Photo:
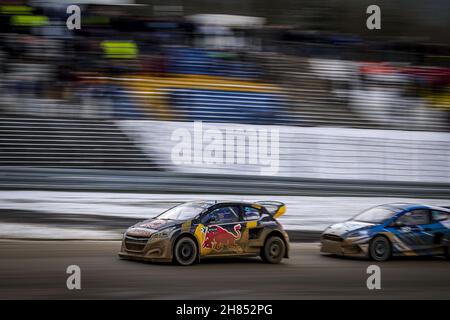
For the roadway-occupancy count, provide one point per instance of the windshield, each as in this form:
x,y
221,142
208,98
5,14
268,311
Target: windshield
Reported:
x,y
183,212
375,215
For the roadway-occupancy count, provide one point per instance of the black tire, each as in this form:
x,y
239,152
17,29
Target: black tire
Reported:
x,y
380,249
274,250
447,252
185,252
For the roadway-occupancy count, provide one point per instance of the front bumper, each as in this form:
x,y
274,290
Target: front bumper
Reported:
x,y
345,247
153,250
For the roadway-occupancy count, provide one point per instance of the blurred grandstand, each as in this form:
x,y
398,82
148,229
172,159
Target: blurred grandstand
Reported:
x,y
105,96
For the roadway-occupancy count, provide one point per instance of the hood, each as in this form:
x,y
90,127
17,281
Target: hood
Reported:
x,y
340,229
148,227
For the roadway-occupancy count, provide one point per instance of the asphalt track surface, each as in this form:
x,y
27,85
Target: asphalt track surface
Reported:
x,y
37,270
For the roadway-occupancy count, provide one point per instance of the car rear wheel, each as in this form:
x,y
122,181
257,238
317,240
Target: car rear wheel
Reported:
x,y
274,250
380,249
185,251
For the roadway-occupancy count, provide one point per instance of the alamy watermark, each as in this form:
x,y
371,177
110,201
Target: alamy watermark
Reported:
x,y
373,22
374,280
216,146
74,20
73,281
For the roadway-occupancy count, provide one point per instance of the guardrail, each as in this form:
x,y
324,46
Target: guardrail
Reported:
x,y
14,178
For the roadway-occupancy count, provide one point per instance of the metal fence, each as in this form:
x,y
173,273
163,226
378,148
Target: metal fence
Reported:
x,y
16,178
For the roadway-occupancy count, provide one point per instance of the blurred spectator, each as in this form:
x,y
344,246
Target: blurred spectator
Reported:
x,y
125,64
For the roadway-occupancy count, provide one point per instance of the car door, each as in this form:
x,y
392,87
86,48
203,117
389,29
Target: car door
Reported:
x,y
222,231
251,216
440,223
415,230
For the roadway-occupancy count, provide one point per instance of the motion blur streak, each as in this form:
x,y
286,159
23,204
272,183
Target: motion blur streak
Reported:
x,y
87,119
105,215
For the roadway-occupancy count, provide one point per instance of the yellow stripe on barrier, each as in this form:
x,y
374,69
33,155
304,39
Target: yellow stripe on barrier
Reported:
x,y
29,21
154,90
119,49
21,10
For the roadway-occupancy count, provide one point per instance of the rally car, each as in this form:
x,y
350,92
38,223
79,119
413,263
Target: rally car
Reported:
x,y
398,229
196,230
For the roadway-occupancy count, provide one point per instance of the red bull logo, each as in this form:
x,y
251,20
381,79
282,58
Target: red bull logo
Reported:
x,y
217,238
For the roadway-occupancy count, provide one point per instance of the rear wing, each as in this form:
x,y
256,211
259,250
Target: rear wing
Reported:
x,y
275,208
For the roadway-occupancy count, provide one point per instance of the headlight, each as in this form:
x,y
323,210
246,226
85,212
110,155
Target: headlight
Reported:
x,y
165,233
363,233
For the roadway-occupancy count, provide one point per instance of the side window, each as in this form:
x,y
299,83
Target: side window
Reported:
x,y
222,215
439,215
251,213
415,217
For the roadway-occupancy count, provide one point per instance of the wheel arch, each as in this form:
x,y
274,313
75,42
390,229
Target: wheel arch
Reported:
x,y
389,240
381,235
185,235
280,235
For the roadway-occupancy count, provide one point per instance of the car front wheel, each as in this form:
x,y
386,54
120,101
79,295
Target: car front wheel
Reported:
x,y
185,251
380,249
274,250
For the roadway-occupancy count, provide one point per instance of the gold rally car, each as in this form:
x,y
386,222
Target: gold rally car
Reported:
x,y
192,231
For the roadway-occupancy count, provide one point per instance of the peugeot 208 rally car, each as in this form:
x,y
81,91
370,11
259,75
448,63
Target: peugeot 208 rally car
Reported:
x,y
397,229
195,230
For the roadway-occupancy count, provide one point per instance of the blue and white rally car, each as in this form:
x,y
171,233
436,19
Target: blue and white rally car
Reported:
x,y
397,229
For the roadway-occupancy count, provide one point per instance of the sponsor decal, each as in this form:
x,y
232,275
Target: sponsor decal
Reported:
x,y
405,229
186,226
136,232
252,224
218,238
399,245
156,224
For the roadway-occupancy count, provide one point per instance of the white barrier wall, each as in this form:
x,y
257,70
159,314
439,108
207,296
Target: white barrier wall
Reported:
x,y
315,152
